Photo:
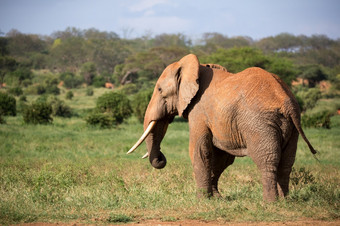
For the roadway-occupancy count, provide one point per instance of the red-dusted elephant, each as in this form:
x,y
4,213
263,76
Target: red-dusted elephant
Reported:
x,y
251,113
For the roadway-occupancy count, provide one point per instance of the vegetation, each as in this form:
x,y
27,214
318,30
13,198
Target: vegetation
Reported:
x,y
69,95
68,171
320,119
38,112
140,103
7,105
111,109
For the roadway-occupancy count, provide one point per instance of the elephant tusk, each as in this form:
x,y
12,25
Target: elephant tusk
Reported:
x,y
145,156
142,138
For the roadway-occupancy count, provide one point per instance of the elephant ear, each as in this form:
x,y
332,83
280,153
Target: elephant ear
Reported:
x,y
188,81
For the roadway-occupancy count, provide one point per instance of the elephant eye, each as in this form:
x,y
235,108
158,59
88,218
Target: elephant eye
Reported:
x,y
159,89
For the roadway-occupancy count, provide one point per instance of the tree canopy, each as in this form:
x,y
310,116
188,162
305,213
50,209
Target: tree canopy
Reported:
x,y
94,56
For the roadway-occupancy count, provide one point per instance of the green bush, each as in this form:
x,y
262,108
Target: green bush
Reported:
x,y
129,89
111,109
16,91
101,119
69,95
318,120
70,80
52,89
7,104
98,81
38,113
23,98
116,104
309,98
140,103
89,92
59,108
35,89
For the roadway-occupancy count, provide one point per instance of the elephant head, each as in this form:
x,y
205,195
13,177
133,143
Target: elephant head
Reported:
x,y
174,90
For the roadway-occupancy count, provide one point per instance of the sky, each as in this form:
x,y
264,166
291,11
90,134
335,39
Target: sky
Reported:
x,y
135,18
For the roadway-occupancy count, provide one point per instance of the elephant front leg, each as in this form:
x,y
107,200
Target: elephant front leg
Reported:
x,y
201,156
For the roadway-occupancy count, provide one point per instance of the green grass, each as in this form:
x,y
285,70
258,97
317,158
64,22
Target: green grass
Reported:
x,y
69,172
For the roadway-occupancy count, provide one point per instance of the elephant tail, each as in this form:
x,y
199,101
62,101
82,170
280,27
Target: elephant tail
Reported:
x,y
295,116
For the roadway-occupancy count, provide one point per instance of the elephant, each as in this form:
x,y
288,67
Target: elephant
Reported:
x,y
251,113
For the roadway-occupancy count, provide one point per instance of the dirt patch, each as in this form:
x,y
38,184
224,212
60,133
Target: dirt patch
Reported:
x,y
200,223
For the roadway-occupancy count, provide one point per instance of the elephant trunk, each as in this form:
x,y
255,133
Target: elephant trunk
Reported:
x,y
153,142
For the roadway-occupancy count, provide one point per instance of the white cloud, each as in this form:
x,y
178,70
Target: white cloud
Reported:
x,y
157,25
145,5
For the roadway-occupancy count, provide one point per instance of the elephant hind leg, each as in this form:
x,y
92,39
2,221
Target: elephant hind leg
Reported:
x,y
266,153
286,164
220,161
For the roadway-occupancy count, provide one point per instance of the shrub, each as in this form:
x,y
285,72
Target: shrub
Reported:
x,y
89,92
140,103
2,120
130,89
318,120
21,105
98,81
7,104
70,80
38,113
111,109
35,89
16,91
23,98
52,89
310,97
59,108
101,119
115,104
69,95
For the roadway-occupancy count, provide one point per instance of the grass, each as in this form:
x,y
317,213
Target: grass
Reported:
x,y
69,172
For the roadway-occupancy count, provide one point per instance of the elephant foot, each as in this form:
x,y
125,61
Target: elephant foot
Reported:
x,y
269,184
216,193
204,193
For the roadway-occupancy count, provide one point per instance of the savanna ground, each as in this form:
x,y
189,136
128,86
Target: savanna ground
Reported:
x,y
70,173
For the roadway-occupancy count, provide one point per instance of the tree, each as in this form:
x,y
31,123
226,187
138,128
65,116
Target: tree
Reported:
x,y
313,73
25,46
141,67
4,46
69,55
70,80
88,71
213,41
238,59
7,64
171,40
283,42
19,75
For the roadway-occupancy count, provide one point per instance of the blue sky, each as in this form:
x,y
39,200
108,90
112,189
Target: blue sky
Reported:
x,y
135,18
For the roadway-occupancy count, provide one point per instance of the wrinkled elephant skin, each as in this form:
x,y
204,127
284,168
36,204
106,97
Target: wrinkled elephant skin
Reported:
x,y
252,113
